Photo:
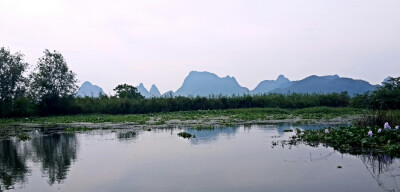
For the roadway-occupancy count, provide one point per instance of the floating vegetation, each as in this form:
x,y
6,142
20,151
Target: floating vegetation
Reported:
x,y
186,135
148,129
288,130
354,139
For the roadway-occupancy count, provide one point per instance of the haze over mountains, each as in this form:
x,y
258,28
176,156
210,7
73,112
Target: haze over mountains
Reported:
x,y
206,84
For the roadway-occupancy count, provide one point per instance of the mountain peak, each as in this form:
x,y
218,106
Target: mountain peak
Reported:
x,y
206,83
87,89
154,92
282,78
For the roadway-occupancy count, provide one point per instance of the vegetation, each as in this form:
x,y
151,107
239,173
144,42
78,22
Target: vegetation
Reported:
x,y
127,91
185,135
12,81
383,98
354,139
227,116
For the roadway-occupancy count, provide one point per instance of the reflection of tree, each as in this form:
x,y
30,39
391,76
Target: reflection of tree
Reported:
x,y
126,136
12,164
55,153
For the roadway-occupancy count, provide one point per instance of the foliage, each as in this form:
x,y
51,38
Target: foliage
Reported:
x,y
12,81
383,98
52,78
127,91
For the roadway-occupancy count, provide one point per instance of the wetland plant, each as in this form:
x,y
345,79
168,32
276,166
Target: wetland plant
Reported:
x,y
186,135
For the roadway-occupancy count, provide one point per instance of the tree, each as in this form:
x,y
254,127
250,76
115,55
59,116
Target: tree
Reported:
x,y
127,91
12,81
12,68
52,78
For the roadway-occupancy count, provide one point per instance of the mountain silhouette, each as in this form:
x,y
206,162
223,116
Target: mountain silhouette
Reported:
x,y
206,84
89,90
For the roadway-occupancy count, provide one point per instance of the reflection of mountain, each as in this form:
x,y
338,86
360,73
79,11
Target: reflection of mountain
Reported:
x,y
13,166
55,153
208,136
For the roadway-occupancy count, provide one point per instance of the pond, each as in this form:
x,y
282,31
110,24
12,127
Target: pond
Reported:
x,y
239,158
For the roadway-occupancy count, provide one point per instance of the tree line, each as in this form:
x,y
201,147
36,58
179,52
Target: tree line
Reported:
x,y
51,86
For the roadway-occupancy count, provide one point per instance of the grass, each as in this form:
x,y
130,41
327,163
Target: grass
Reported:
x,y
228,117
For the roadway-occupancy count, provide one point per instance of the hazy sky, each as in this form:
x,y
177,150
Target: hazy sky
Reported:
x,y
160,42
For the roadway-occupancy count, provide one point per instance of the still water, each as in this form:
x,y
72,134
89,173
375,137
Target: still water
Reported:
x,y
223,159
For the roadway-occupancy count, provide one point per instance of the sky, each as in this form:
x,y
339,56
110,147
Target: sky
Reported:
x,y
160,42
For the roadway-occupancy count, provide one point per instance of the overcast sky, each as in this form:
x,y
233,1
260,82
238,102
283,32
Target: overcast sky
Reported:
x,y
160,42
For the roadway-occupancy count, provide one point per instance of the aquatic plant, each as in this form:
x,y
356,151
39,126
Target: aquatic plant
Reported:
x,y
387,126
397,127
353,139
185,135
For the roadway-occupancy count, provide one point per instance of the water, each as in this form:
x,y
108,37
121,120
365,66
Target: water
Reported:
x,y
226,159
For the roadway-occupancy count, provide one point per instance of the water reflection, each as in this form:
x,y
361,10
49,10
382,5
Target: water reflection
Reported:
x,y
383,169
159,158
208,136
13,166
126,135
54,153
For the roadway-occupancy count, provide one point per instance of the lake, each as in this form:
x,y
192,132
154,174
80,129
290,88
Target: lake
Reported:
x,y
239,158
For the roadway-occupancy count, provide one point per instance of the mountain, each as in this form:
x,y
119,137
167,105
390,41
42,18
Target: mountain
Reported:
x,y
269,85
143,91
206,83
327,84
386,80
154,92
89,90
168,94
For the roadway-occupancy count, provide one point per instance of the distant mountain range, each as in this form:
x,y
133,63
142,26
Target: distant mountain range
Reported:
x,y
87,89
206,84
154,92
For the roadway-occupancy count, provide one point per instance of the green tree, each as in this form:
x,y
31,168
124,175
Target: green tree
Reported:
x,y
127,91
52,78
12,81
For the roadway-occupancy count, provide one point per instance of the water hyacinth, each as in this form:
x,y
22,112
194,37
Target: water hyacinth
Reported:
x,y
379,130
387,126
326,131
370,133
397,127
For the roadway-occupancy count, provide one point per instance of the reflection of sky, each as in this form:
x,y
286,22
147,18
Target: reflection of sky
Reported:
x,y
231,159
208,136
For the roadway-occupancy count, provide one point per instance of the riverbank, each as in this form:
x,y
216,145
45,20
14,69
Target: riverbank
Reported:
x,y
202,118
